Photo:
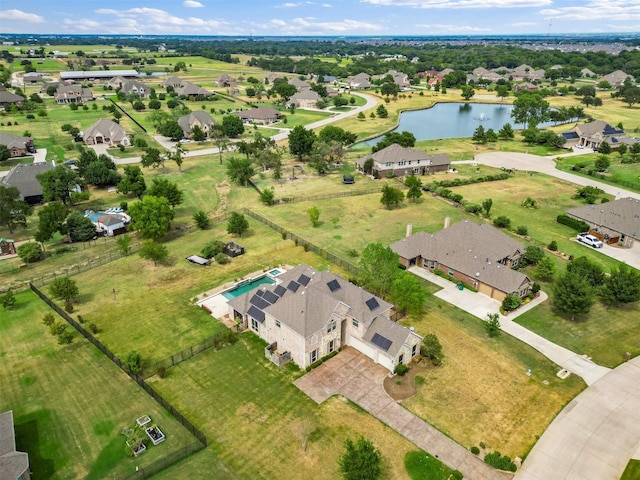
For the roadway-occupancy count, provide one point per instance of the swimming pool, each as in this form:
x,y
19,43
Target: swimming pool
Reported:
x,y
245,287
276,271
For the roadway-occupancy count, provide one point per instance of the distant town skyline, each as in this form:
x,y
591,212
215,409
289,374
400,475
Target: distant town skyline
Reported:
x,y
323,17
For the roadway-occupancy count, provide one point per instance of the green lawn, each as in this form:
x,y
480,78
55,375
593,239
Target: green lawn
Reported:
x,y
632,472
422,466
70,402
626,175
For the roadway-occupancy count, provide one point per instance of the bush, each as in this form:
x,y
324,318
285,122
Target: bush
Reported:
x,y
457,475
553,246
162,371
475,450
401,369
577,225
68,307
502,222
535,288
473,208
211,249
93,327
511,302
522,230
498,461
30,252
222,259
48,319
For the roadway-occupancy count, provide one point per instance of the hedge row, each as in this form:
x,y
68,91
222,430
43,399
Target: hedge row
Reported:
x,y
456,182
577,225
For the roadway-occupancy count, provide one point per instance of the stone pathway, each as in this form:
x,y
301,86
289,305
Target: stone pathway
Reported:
x,y
356,377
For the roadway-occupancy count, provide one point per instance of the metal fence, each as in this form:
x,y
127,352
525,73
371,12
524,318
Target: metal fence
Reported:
x,y
166,461
138,379
307,245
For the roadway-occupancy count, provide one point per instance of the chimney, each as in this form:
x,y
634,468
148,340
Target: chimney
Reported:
x,y
447,222
409,229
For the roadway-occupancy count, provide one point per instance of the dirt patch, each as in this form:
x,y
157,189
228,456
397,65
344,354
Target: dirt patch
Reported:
x,y
400,388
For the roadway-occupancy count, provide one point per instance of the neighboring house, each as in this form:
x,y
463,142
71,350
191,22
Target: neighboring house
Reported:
x,y
7,247
592,134
616,79
73,94
97,75
401,161
14,465
172,81
47,85
309,314
32,77
361,81
9,98
225,80
18,146
616,222
399,78
131,87
198,118
586,73
525,72
483,73
117,82
188,89
305,99
271,77
110,224
529,87
301,85
260,115
107,132
23,177
479,255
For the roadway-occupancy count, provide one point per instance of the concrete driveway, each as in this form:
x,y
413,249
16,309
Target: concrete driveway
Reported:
x,y
355,376
596,433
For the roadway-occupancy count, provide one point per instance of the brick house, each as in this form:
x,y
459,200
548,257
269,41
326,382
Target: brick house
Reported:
x,y
401,161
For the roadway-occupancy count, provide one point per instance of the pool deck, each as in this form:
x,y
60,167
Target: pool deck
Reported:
x,y
213,300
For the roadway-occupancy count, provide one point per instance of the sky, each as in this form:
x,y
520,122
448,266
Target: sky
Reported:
x,y
323,17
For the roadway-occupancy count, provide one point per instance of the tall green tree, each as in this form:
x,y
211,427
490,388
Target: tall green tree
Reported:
x,y
391,196
545,269
163,187
51,220
220,138
301,141
152,157
479,135
232,126
585,268
415,187
573,295
506,132
530,109
13,211
151,216
177,155
407,294
622,286
336,134
240,170
80,228
133,181
237,224
432,349
156,252
378,268
404,139
360,461
57,184
314,215
65,288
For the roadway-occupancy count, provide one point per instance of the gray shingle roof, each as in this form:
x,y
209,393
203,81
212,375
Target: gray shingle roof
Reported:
x,y
14,141
12,463
23,177
260,113
199,117
9,97
621,215
107,128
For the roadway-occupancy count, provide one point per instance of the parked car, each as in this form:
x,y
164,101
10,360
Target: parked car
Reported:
x,y
590,240
348,179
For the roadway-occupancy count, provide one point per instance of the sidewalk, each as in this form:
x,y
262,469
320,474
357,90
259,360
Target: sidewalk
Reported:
x,y
480,305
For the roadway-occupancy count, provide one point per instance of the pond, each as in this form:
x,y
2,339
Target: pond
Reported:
x,y
452,120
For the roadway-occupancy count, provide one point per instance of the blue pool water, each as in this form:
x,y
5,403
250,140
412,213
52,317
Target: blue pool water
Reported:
x,y
275,272
95,216
245,287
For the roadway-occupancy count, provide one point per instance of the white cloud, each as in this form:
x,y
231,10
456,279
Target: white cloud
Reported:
x,y
617,10
294,4
456,4
192,4
327,5
310,26
523,24
442,28
624,28
20,16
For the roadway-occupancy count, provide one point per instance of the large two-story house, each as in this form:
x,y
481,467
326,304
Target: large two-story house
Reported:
x,y
309,314
402,161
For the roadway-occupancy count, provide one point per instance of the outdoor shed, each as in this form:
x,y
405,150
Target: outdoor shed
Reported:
x,y
199,260
233,249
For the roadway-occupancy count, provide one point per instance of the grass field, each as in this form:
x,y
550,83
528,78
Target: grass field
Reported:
x,y
616,173
632,472
422,466
70,403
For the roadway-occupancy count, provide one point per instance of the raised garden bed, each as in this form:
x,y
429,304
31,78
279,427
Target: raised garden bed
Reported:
x,y
155,434
137,450
143,420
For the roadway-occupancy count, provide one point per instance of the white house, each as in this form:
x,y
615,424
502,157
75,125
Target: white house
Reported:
x,y
309,314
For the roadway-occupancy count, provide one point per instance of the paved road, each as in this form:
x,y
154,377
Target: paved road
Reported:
x,y
356,377
596,433
479,305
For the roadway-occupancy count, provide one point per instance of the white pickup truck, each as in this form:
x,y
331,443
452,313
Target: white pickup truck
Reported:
x,y
590,240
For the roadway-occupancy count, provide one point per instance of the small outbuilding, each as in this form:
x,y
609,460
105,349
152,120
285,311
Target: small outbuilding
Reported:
x,y
199,260
233,249
7,247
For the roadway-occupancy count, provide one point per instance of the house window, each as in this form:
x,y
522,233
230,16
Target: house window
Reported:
x,y
332,346
451,272
278,323
416,171
414,351
514,262
254,325
331,327
314,355
400,358
432,264
354,323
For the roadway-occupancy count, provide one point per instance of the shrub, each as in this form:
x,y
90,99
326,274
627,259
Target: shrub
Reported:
x,y
68,307
93,327
577,225
457,475
475,450
30,252
511,302
48,319
222,259
473,208
352,252
535,288
502,222
498,461
522,230
212,249
80,319
553,246
65,338
230,337
162,371
57,328
401,369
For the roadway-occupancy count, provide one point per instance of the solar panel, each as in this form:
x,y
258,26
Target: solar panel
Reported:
x,y
260,293
255,312
259,302
293,286
333,285
304,280
372,303
380,341
270,297
279,290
